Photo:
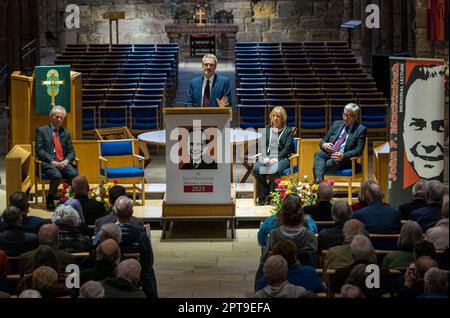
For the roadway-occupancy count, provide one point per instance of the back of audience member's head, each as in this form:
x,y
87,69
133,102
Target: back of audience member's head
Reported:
x,y
109,252
124,208
75,203
20,200
423,247
419,190
436,281
130,269
325,191
361,248
111,231
351,291
341,212
374,193
287,249
80,185
44,278
65,215
48,235
362,195
11,216
291,213
45,256
115,192
30,293
435,191
351,228
357,275
275,270
92,289
410,233
445,209
422,265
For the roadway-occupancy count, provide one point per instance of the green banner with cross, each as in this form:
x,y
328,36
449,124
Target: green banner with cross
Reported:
x,y
52,87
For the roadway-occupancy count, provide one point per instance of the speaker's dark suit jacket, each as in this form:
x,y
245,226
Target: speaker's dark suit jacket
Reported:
x,y
356,139
221,87
45,145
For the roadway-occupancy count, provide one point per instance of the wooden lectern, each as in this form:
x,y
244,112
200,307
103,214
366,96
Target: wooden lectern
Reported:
x,y
19,170
114,16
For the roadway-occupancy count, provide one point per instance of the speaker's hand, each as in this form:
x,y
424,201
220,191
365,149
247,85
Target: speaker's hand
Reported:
x,y
223,102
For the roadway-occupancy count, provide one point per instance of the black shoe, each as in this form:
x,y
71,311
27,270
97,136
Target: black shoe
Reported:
x,y
50,203
260,201
267,201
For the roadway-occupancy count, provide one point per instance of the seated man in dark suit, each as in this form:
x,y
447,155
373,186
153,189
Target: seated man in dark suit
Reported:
x,y
211,89
92,209
321,211
108,257
429,215
345,139
418,192
54,149
13,240
126,283
377,217
30,224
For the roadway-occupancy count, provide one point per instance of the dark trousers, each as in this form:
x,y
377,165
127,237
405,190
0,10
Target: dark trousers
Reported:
x,y
55,176
324,164
265,176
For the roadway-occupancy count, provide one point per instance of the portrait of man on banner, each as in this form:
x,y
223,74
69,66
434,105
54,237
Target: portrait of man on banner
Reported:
x,y
201,146
423,124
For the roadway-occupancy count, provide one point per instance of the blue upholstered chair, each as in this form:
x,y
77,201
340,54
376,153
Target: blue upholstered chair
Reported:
x,y
119,161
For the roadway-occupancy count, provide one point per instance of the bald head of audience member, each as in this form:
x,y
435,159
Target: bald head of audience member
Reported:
x,y
275,270
351,228
111,231
124,209
325,192
92,289
341,212
48,235
374,193
109,252
30,293
80,185
130,270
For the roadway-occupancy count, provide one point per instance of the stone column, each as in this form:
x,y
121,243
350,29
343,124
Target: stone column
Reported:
x,y
386,29
366,36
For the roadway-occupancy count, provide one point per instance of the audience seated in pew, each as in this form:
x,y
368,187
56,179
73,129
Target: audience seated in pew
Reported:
x,y
436,284
125,283
418,193
429,215
84,228
362,197
341,212
414,285
322,210
439,234
410,233
30,224
377,217
92,289
92,209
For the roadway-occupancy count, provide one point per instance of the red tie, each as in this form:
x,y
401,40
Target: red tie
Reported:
x,y
206,95
58,148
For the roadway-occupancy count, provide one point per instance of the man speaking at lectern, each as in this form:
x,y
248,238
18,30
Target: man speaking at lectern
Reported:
x,y
211,89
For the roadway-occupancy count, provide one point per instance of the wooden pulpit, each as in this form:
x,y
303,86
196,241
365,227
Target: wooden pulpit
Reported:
x,y
114,16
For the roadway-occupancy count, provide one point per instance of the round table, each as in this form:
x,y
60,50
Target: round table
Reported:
x,y
238,136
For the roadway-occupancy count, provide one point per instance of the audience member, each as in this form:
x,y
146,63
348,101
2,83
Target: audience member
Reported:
x,y
351,291
92,289
424,248
436,284
92,209
377,217
438,234
126,283
418,193
108,257
341,212
30,224
429,215
30,293
322,210
275,271
410,233
413,285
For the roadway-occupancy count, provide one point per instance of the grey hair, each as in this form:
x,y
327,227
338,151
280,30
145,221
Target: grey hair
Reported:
x,y
66,215
57,108
436,280
111,231
351,228
30,293
92,289
275,270
419,189
209,56
351,291
341,211
410,233
129,269
352,107
123,206
435,191
361,247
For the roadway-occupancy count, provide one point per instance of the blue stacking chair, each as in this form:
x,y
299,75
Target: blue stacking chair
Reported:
x,y
118,160
144,118
253,116
313,119
115,116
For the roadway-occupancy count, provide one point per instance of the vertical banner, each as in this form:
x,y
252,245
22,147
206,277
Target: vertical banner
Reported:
x,y
52,87
416,135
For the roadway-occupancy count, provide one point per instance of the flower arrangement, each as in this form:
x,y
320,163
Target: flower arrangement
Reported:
x,y
99,193
305,189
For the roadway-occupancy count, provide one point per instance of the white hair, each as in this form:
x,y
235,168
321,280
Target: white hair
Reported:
x,y
352,107
57,108
361,247
209,56
66,215
30,293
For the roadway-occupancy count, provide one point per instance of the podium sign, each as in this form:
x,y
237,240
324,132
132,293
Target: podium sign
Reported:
x,y
198,156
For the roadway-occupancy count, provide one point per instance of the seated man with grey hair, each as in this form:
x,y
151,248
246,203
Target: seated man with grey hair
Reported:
x,y
418,193
363,254
436,284
351,291
30,293
92,289
126,283
345,139
341,212
322,210
275,271
429,215
68,221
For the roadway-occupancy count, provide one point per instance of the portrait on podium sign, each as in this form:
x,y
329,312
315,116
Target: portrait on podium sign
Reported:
x,y
200,146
